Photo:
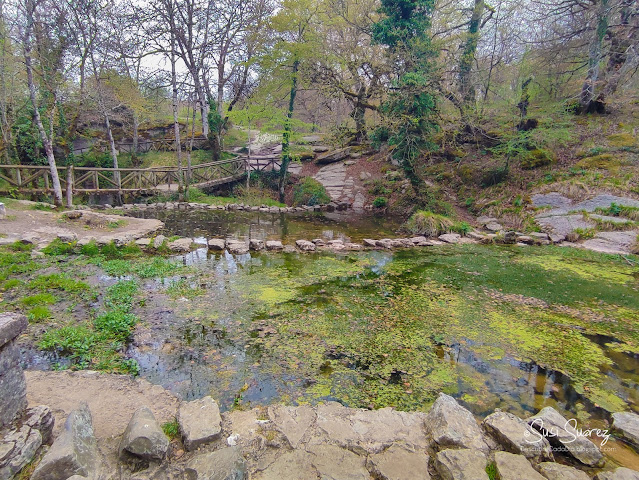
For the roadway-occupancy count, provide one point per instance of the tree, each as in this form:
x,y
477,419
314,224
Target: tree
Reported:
x,y
412,103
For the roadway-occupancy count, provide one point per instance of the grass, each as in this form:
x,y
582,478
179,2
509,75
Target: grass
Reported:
x,y
144,268
58,247
183,289
428,223
58,281
171,429
39,314
615,210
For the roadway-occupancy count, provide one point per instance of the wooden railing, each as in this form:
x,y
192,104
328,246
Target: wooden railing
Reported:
x,y
36,179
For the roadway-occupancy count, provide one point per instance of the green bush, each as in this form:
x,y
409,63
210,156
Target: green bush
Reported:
x,y
310,192
462,228
380,202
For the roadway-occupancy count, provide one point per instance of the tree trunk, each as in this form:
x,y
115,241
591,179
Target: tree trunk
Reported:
x,y
176,123
358,115
286,137
466,87
46,141
114,154
588,100
136,139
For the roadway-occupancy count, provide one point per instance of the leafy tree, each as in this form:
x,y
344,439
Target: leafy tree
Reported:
x,y
410,108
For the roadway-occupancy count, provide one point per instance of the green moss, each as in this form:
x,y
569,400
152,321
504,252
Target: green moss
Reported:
x,y
537,158
622,140
38,299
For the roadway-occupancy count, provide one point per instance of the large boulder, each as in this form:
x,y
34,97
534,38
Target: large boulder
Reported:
x,y
334,156
398,463
216,244
566,437
237,247
450,237
305,245
224,464
462,464
274,245
516,436
557,471
627,425
448,424
200,422
13,386
515,467
74,452
143,437
620,473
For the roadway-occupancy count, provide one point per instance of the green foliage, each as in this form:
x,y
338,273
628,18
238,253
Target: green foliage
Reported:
x,y
18,246
495,176
462,228
536,158
58,281
183,289
38,299
90,249
171,429
58,247
491,470
38,314
73,340
616,210
310,192
116,324
428,223
380,202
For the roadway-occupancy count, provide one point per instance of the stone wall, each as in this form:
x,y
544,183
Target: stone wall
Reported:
x,y
13,386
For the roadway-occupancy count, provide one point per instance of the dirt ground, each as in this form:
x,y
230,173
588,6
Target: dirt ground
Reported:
x,y
112,398
23,222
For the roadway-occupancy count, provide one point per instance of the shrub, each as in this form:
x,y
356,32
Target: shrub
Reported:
x,y
428,223
310,192
462,228
380,202
537,158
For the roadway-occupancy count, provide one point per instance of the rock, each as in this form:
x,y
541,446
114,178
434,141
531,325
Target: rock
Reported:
x,y
335,463
319,242
397,463
181,245
305,245
515,467
274,245
564,224
3,211
143,437
461,464
484,220
319,148
334,156
143,242
516,436
617,243
384,243
224,464
627,425
556,237
67,237
13,386
448,424
556,471
353,246
237,247
620,473
539,235
158,241
296,464
476,236
256,245
74,452
510,238
566,437
20,444
216,244
370,243
494,227
525,239
450,237
200,422
292,422
289,249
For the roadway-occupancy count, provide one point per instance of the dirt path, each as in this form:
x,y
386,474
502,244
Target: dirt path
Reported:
x,y
112,398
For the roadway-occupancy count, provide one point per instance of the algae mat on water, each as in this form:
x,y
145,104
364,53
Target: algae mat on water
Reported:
x,y
497,326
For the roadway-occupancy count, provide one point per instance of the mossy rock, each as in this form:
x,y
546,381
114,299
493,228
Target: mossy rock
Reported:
x,y
604,161
537,158
622,140
466,173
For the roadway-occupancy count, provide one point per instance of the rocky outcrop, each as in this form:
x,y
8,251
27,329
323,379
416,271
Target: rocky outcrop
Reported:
x,y
516,436
143,437
74,452
557,471
200,422
564,436
620,473
449,425
626,424
13,387
334,156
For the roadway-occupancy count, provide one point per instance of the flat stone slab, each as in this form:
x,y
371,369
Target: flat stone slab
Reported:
x,y
335,463
461,464
274,245
216,244
557,471
621,473
566,437
565,224
292,422
617,243
368,431
397,463
305,245
295,464
224,464
450,237
448,424
516,436
200,422
562,205
515,467
11,325
627,424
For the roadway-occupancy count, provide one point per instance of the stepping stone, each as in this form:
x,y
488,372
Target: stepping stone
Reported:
x,y
566,437
556,471
450,237
224,464
256,245
515,467
274,245
627,424
200,422
143,437
397,463
216,244
448,424
516,436
463,464
237,247
305,245
292,422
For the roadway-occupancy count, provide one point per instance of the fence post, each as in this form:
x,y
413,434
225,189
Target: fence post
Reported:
x,y
69,186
